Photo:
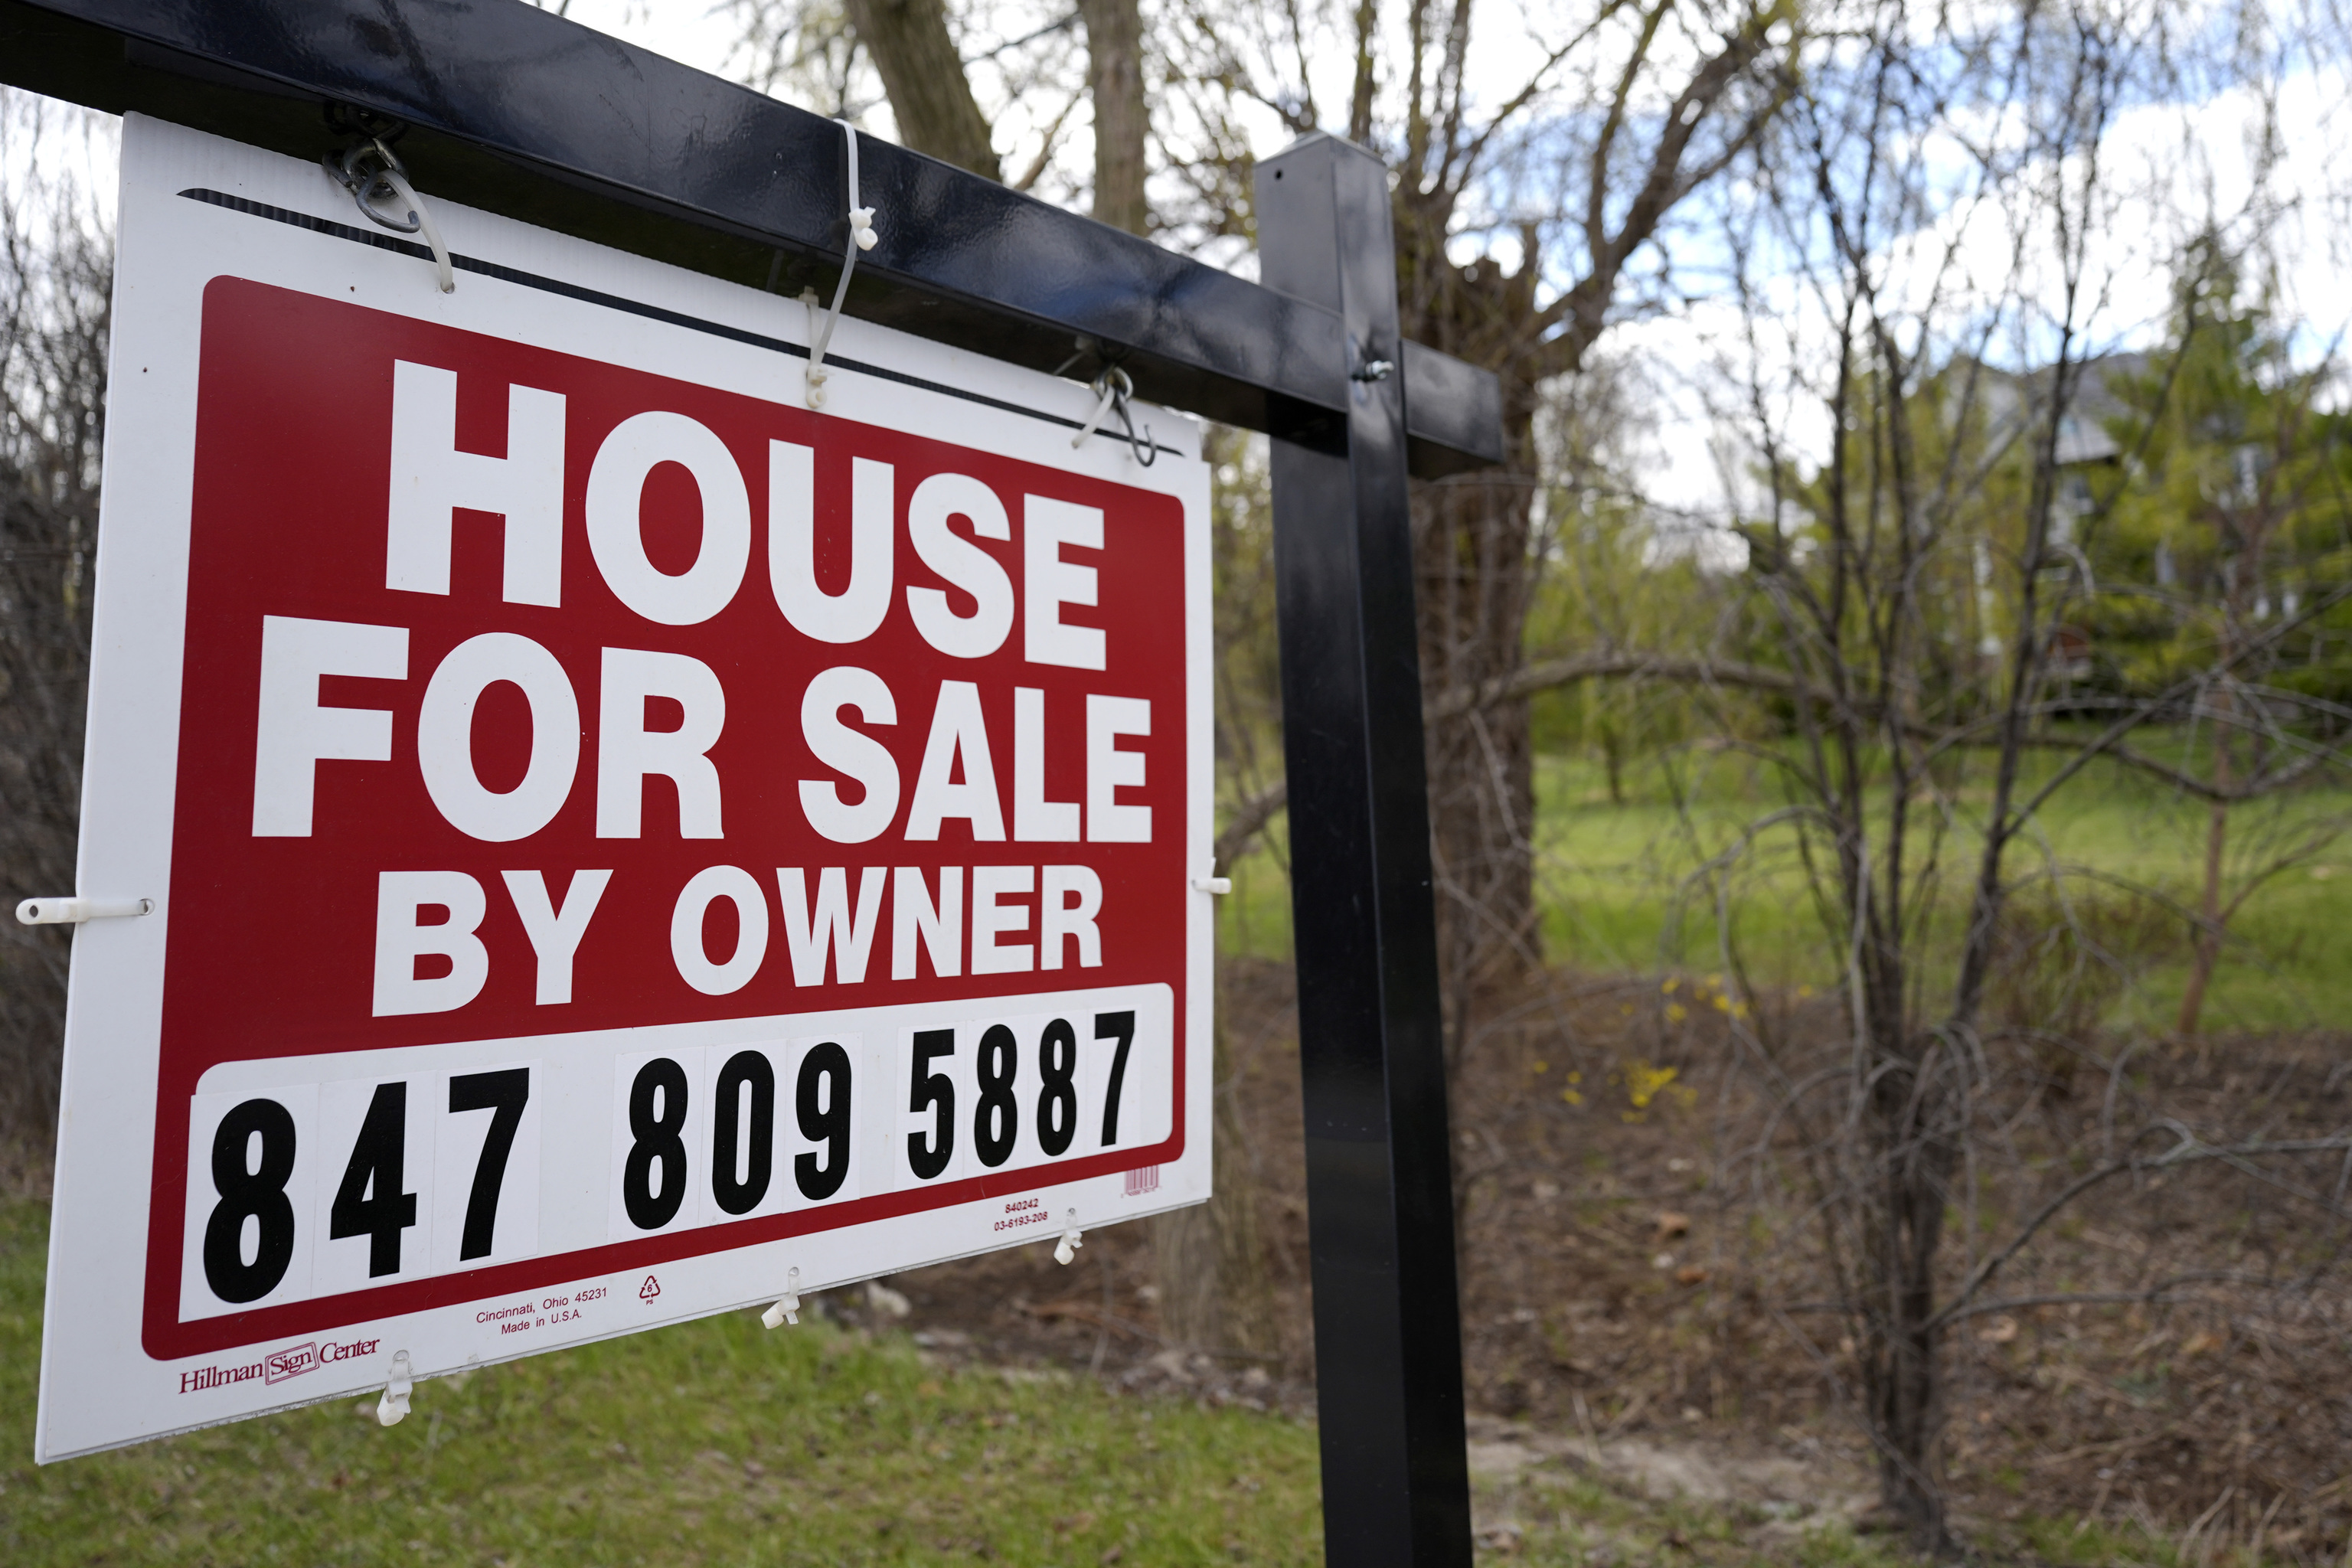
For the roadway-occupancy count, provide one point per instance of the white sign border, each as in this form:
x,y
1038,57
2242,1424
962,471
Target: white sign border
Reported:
x,y
98,1389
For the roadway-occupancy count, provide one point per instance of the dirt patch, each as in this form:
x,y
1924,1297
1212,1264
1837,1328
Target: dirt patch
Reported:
x,y
1710,1468
1633,1287
1642,1308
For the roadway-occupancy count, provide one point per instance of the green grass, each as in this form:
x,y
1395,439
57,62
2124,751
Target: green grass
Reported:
x,y
1616,883
2075,1543
720,1444
1619,892
717,1442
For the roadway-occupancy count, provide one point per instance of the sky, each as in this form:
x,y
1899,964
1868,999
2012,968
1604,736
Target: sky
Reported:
x,y
689,31
2179,162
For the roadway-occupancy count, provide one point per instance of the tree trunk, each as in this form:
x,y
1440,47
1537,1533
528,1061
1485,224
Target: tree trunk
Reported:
x,y
1904,1221
924,77
1115,76
1474,575
2207,949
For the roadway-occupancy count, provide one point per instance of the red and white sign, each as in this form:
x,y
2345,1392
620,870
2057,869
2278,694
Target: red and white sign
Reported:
x,y
606,823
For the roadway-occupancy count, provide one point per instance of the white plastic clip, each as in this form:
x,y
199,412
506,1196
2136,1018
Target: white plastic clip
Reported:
x,y
1072,1239
1108,383
395,1402
73,911
1219,886
787,1310
861,238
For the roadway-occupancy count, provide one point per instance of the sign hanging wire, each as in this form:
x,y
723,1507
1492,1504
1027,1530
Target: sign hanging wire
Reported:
x,y
861,238
387,180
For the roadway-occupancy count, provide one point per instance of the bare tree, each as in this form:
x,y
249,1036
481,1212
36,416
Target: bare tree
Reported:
x,y
1528,221
56,283
1916,575
910,46
1525,221
1524,186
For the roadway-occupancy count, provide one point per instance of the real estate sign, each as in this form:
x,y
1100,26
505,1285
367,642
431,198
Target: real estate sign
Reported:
x,y
617,840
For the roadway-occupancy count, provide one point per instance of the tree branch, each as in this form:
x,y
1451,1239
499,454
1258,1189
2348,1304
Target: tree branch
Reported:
x,y
1250,816
2187,1150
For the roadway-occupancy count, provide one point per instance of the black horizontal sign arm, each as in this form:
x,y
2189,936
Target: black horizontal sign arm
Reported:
x,y
519,111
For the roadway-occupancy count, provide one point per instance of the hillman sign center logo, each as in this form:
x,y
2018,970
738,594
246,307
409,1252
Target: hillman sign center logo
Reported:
x,y
277,1365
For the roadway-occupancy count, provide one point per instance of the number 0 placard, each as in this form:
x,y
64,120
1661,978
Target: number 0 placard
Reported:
x,y
618,838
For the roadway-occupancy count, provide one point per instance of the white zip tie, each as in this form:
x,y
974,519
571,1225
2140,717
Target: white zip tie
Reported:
x,y
1109,396
73,911
787,1310
1072,1239
395,1402
861,238
399,182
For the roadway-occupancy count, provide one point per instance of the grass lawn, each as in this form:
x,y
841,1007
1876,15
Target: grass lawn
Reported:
x,y
721,1444
1617,886
717,1442
1619,892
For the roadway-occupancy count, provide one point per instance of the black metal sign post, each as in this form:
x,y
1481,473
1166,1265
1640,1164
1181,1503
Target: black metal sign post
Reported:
x,y
514,109
1388,1328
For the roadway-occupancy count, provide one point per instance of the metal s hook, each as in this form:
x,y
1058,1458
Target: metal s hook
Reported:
x,y
1107,387
1113,388
1146,453
388,178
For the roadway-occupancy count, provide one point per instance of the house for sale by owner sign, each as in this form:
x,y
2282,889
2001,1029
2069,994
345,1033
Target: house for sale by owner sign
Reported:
x,y
617,841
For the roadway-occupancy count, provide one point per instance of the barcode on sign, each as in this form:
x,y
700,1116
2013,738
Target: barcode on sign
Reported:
x,y
1143,1179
